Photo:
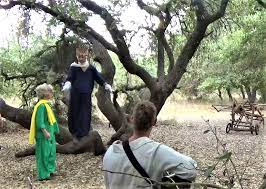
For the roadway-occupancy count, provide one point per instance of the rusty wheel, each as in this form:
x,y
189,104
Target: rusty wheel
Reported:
x,y
228,127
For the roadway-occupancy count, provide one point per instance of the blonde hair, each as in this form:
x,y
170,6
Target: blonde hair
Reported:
x,y
43,89
144,115
84,48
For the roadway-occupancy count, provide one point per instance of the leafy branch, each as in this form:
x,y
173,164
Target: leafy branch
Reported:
x,y
225,156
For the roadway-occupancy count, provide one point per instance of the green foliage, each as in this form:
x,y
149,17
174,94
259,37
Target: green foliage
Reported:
x,y
71,8
235,59
22,69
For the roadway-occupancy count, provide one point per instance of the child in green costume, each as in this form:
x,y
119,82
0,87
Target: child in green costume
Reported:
x,y
43,130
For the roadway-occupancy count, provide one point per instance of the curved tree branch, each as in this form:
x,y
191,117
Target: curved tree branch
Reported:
x,y
220,13
7,77
203,20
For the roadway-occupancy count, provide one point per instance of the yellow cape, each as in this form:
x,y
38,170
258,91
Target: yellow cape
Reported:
x,y
51,119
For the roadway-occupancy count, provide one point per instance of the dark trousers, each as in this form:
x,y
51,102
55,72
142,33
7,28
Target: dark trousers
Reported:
x,y
79,114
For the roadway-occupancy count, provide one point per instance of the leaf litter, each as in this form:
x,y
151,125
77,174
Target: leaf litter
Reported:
x,y
184,135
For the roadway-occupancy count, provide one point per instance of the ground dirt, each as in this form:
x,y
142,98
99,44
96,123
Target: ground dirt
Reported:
x,y
180,126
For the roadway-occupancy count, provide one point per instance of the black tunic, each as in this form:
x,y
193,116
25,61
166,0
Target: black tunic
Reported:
x,y
79,111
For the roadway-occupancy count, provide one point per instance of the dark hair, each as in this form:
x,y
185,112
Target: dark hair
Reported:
x,y
144,115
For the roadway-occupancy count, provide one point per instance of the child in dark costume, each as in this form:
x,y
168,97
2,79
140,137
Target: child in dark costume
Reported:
x,y
80,81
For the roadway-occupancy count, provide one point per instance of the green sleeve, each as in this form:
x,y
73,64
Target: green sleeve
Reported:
x,y
56,128
40,115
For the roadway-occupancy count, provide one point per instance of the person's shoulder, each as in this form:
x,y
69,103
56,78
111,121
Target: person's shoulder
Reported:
x,y
108,152
115,147
41,107
172,155
92,67
164,149
74,66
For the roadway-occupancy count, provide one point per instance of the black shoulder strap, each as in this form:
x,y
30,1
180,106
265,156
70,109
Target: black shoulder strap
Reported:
x,y
134,161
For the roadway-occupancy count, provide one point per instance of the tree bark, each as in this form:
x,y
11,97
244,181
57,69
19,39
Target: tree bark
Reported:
x,y
243,92
228,90
263,94
251,93
126,129
220,94
17,115
90,143
103,98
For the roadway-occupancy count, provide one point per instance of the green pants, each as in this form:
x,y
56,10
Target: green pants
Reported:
x,y
45,157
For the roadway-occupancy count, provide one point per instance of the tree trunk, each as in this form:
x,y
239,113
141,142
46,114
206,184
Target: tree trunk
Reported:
x,y
252,93
17,115
220,94
242,92
91,143
263,94
126,129
228,90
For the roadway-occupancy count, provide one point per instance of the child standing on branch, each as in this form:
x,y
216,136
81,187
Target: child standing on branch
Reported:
x,y
80,82
42,130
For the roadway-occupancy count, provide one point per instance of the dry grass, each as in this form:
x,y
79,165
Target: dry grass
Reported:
x,y
181,126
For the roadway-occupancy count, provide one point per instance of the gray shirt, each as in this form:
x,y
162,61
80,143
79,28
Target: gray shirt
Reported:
x,y
154,157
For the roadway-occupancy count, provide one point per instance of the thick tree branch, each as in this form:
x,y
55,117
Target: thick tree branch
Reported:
x,y
17,115
200,9
118,38
7,77
263,4
220,13
160,35
203,20
133,88
160,56
148,9
187,52
169,53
